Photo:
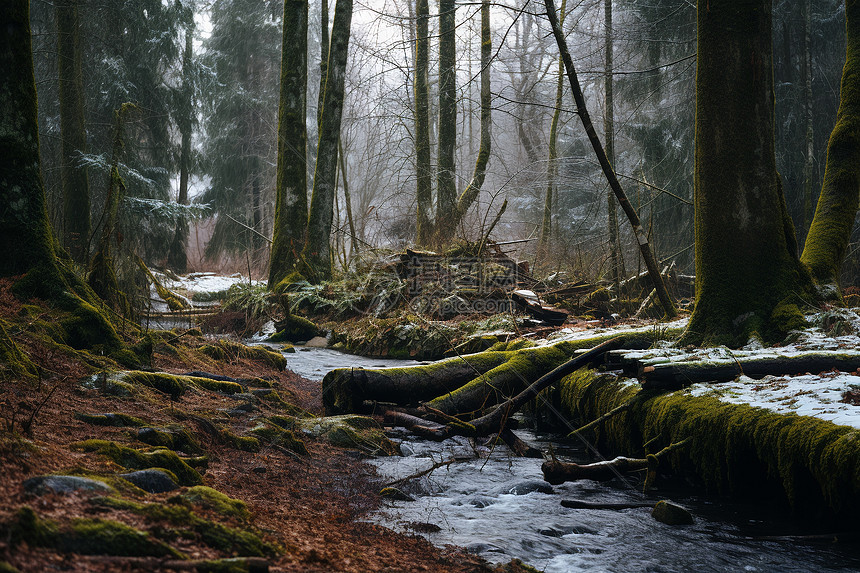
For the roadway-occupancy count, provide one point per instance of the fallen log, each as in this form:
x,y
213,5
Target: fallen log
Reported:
x,y
676,375
556,472
418,426
461,385
579,504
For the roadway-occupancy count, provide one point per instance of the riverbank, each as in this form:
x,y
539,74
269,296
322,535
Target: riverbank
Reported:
x,y
220,475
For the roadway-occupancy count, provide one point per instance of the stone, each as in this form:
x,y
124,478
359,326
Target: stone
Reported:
x,y
151,480
317,342
529,487
395,494
671,513
42,485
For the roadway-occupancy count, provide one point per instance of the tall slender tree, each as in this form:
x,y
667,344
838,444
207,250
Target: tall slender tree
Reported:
x,y
471,192
316,255
446,183
291,207
73,134
609,134
424,175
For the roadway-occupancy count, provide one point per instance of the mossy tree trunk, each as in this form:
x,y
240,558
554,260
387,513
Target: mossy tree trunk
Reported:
x,y
316,255
830,232
470,194
73,134
102,278
25,234
177,258
748,277
424,175
291,203
446,185
26,238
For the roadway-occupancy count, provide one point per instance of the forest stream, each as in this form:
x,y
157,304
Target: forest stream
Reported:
x,y
499,507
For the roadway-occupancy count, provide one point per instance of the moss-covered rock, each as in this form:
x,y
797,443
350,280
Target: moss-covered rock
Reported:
x,y
173,386
227,350
350,431
85,536
244,443
276,434
295,328
116,419
174,438
216,501
135,459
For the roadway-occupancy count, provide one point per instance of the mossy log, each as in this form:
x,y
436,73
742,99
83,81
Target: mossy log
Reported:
x,y
675,375
462,385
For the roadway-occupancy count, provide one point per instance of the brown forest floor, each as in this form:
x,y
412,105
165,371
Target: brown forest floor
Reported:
x,y
309,506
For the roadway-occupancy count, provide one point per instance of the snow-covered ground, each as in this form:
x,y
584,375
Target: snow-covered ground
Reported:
x,y
814,394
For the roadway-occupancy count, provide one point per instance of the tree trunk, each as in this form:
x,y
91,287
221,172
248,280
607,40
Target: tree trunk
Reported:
x,y
632,216
291,201
446,185
347,199
609,131
73,134
552,166
26,239
808,160
316,256
748,278
424,176
470,194
827,241
177,258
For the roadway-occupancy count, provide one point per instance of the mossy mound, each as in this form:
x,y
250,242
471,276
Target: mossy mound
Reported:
x,y
216,501
276,434
227,350
244,443
241,542
295,328
174,438
135,459
809,464
13,362
116,419
85,536
353,432
173,386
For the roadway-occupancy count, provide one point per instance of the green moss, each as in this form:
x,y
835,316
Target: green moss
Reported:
x,y
174,386
7,568
353,432
216,535
172,437
282,437
135,459
13,362
810,464
87,327
227,350
295,329
244,443
216,501
223,386
86,536
110,419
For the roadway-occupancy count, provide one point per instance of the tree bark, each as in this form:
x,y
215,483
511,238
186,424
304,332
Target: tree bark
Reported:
x,y
25,234
316,255
470,194
73,134
446,185
632,216
827,241
177,257
748,278
424,175
552,166
291,201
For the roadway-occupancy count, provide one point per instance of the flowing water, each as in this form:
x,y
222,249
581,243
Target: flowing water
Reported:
x,y
499,506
